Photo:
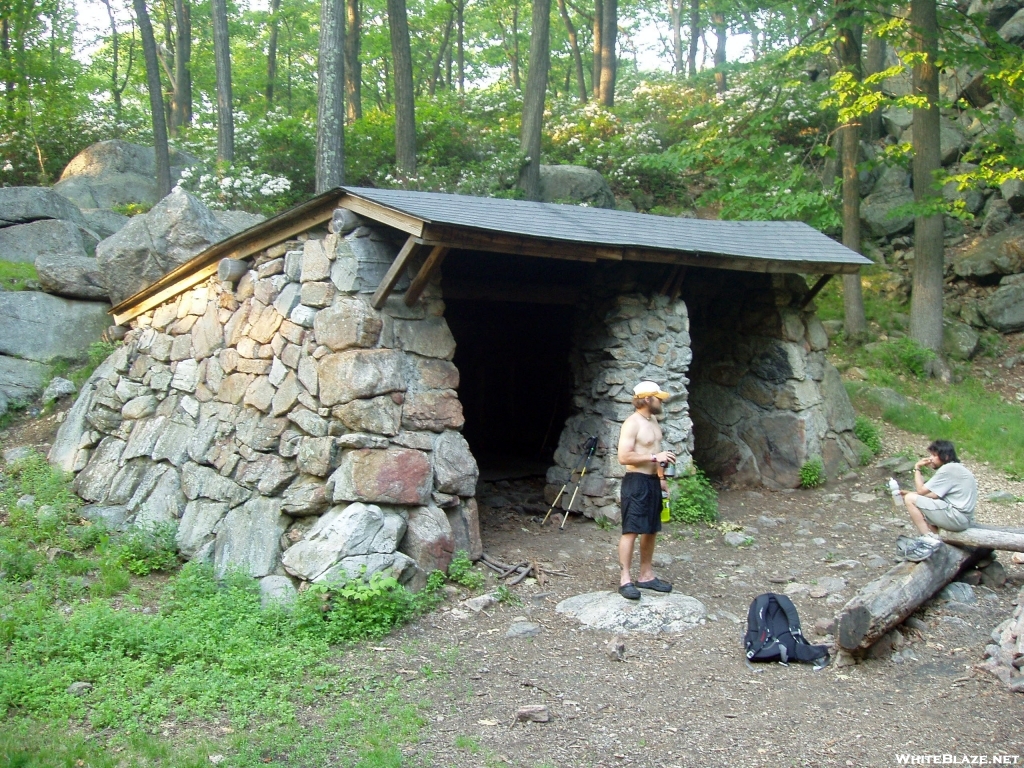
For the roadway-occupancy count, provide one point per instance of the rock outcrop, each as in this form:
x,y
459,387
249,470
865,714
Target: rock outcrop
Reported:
x,y
575,184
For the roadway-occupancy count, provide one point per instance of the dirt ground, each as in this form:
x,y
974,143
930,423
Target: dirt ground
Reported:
x,y
690,699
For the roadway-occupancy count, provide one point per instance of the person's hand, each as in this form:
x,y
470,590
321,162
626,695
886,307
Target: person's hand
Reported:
x,y
923,463
664,484
665,456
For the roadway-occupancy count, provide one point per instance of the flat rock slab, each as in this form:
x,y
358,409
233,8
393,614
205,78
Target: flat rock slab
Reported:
x,y
653,613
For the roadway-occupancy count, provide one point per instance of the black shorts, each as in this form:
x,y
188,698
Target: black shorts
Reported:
x,y
641,503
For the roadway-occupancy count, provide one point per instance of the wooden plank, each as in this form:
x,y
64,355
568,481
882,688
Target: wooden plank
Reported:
x,y
455,237
990,538
816,289
170,292
395,271
884,603
381,213
510,292
677,288
430,266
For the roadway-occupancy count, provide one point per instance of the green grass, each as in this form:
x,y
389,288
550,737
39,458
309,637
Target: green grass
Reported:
x,y
14,275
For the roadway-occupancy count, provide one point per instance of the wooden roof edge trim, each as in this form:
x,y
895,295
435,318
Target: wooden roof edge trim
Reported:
x,y
239,246
383,214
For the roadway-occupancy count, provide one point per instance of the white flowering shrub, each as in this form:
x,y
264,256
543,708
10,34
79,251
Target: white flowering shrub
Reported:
x,y
236,187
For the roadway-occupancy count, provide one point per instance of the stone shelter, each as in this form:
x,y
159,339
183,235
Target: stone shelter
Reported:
x,y
313,396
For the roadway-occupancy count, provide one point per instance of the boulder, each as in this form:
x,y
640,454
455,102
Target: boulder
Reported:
x,y
994,13
429,539
346,531
1001,254
27,242
361,259
116,172
1012,190
22,205
104,222
58,388
238,221
248,539
21,380
348,323
198,525
455,469
392,476
75,276
952,141
575,184
1004,309
998,216
897,120
277,591
1013,30
149,246
838,410
464,520
959,340
653,613
40,327
891,191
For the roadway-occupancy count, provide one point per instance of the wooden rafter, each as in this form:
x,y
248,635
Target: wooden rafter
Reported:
x,y
430,266
395,271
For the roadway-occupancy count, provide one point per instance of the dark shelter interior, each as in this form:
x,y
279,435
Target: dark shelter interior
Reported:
x,y
512,319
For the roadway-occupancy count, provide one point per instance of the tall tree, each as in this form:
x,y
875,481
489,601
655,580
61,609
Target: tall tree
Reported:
x,y
460,26
718,19
330,108
874,62
353,67
181,83
533,99
275,23
609,62
117,87
405,109
598,29
926,291
675,10
435,74
156,100
577,58
695,34
222,65
850,31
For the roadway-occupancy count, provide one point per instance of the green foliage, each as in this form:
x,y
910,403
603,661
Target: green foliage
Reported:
x,y
144,550
506,596
904,356
866,431
461,571
812,473
132,209
604,523
15,274
693,499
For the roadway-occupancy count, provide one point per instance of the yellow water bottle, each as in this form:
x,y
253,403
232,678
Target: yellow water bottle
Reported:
x,y
666,508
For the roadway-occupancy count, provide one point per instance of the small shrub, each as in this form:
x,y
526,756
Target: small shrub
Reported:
x,y
693,499
460,570
14,275
131,209
17,561
604,523
905,356
144,550
812,473
869,434
506,596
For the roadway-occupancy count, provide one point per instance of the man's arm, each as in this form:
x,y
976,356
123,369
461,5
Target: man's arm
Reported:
x,y
919,485
627,447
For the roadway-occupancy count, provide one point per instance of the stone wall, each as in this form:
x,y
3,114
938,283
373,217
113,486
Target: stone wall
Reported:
x,y
764,398
626,333
284,426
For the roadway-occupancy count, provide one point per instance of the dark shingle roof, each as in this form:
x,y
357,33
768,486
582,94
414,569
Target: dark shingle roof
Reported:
x,y
763,240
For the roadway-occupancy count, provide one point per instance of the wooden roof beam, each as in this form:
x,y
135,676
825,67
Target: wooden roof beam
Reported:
x,y
430,266
411,247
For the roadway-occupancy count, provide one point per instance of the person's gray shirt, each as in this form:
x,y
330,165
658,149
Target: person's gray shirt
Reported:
x,y
954,483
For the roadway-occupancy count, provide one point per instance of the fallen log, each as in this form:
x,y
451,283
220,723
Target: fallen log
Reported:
x,y
989,537
888,600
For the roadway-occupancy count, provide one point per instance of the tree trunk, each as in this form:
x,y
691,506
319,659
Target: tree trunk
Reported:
x,y
330,107
718,19
222,64
855,322
675,9
460,9
181,106
986,537
533,99
595,75
436,73
156,100
115,93
5,49
516,81
695,33
874,62
577,58
884,603
353,67
405,109
275,7
609,37
926,292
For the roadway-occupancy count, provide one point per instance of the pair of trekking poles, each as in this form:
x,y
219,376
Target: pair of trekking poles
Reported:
x,y
582,464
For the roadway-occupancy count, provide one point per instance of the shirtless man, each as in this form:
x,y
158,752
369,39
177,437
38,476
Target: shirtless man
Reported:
x,y
640,452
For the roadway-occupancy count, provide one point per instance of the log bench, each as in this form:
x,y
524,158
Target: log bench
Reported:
x,y
987,537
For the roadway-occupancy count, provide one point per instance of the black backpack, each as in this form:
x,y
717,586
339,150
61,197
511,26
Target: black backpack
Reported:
x,y
773,633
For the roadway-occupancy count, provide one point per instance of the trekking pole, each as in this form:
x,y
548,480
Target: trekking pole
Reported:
x,y
590,446
579,482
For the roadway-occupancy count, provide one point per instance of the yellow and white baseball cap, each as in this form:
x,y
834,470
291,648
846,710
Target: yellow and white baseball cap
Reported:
x,y
650,389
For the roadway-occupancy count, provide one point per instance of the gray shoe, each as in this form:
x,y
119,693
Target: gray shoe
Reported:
x,y
922,548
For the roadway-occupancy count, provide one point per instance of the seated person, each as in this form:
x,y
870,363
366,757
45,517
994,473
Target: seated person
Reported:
x,y
946,501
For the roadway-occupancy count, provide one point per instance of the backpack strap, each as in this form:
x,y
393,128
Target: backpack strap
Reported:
x,y
803,650
792,617
757,637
